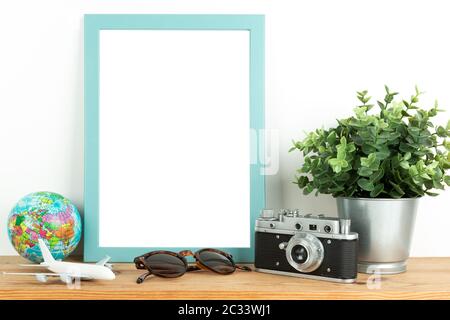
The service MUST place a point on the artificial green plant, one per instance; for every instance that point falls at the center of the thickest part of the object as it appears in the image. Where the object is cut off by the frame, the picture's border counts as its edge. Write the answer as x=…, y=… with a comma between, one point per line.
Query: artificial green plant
x=391, y=151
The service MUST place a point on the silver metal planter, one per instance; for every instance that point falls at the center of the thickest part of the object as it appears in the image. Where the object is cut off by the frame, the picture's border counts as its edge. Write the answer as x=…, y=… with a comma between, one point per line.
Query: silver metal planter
x=385, y=228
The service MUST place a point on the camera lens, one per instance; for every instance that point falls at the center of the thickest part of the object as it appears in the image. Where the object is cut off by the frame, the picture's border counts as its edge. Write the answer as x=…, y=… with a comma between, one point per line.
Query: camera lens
x=299, y=254
x=304, y=252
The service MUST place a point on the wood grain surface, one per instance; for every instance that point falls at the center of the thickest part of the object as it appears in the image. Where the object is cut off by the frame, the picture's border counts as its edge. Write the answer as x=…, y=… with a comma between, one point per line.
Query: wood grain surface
x=426, y=278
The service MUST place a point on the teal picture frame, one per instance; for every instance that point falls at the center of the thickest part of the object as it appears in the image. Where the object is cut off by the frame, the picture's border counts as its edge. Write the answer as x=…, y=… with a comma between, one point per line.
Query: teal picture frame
x=93, y=24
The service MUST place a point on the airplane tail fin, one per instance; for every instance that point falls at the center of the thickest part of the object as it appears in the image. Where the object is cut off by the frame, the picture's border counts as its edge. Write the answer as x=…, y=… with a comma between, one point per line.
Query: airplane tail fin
x=48, y=258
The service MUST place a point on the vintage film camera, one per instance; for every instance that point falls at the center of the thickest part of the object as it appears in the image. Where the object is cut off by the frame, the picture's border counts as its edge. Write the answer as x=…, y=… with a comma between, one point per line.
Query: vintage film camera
x=314, y=247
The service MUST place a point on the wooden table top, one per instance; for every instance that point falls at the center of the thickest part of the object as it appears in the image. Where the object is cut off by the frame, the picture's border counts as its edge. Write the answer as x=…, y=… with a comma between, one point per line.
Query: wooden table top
x=426, y=278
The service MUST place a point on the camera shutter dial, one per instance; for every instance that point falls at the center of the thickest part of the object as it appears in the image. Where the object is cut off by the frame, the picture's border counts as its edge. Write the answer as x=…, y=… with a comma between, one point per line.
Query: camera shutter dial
x=304, y=252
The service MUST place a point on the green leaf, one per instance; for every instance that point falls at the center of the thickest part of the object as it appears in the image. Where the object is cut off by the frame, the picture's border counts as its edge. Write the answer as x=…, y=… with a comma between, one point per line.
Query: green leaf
x=432, y=166
x=351, y=147
x=441, y=132
x=447, y=180
x=407, y=156
x=342, y=177
x=336, y=189
x=447, y=145
x=377, y=190
x=360, y=112
x=428, y=184
x=381, y=105
x=432, y=194
x=432, y=113
x=371, y=161
x=302, y=181
x=367, y=161
x=437, y=185
x=413, y=171
x=394, y=194
x=309, y=188
x=425, y=176
x=383, y=152
x=397, y=176
x=341, y=153
x=365, y=184
x=404, y=165
x=414, y=131
x=331, y=138
x=365, y=172
x=413, y=187
x=406, y=104
x=377, y=176
x=397, y=188
x=404, y=147
x=405, y=114
x=337, y=164
x=342, y=149
x=368, y=149
x=306, y=151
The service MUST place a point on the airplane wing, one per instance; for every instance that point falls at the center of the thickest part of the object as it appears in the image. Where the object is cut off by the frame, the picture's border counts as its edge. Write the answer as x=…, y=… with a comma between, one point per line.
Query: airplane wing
x=33, y=265
x=31, y=274
x=42, y=277
x=104, y=262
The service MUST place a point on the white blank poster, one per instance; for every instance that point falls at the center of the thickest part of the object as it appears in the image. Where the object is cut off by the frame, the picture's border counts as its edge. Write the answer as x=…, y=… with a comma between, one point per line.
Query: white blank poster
x=174, y=138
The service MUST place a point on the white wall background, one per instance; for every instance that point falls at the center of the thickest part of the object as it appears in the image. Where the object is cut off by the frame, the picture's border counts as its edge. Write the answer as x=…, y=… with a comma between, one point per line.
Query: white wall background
x=318, y=53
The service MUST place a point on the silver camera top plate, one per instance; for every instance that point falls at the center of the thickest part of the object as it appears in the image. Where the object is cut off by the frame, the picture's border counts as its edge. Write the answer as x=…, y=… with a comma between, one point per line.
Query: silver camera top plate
x=291, y=221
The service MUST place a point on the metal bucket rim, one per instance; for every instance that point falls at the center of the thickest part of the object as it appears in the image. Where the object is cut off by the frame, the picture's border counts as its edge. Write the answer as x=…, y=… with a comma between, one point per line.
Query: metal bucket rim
x=379, y=199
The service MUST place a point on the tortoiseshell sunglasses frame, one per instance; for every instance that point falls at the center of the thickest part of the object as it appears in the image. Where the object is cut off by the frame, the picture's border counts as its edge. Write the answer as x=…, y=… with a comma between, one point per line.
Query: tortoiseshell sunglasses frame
x=141, y=264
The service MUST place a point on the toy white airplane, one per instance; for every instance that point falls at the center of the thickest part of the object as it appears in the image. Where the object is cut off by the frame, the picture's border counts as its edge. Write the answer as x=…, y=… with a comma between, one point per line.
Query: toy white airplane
x=69, y=271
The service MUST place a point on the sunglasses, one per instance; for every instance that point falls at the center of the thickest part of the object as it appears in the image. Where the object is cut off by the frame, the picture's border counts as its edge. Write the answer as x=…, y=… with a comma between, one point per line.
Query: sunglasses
x=168, y=264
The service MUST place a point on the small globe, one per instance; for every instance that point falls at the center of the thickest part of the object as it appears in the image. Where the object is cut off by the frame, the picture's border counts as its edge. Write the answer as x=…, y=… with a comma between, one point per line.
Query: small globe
x=48, y=216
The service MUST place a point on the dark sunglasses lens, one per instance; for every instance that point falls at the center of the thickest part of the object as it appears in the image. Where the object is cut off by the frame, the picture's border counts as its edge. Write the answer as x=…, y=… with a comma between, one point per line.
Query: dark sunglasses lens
x=166, y=265
x=216, y=262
